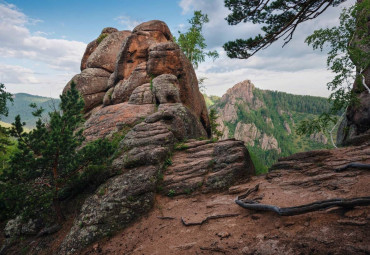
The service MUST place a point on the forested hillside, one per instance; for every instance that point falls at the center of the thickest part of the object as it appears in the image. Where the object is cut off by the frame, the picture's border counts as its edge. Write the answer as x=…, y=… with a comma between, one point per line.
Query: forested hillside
x=21, y=106
x=266, y=120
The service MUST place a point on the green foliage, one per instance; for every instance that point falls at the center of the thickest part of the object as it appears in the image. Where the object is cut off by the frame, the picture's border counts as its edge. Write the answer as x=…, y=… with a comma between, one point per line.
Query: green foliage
x=171, y=193
x=4, y=97
x=212, y=119
x=192, y=42
x=278, y=19
x=347, y=58
x=211, y=100
x=181, y=146
x=101, y=38
x=49, y=159
x=167, y=162
x=5, y=143
x=260, y=160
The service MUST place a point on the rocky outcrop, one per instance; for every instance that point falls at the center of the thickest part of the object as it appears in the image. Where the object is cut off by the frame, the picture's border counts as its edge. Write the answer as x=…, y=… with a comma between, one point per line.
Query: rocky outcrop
x=287, y=127
x=17, y=227
x=143, y=153
x=269, y=143
x=248, y=133
x=241, y=93
x=152, y=98
x=207, y=166
x=113, y=118
x=319, y=137
x=355, y=127
x=242, y=90
x=118, y=66
x=92, y=84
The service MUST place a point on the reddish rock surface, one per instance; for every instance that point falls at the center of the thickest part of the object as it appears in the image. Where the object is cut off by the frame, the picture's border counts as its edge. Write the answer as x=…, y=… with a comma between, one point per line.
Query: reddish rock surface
x=207, y=166
x=104, y=56
x=132, y=59
x=299, y=179
x=93, y=45
x=111, y=119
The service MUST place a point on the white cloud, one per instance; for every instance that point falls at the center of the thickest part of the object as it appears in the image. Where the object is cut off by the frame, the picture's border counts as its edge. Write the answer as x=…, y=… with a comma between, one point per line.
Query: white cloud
x=296, y=68
x=16, y=74
x=21, y=79
x=18, y=42
x=127, y=22
x=301, y=82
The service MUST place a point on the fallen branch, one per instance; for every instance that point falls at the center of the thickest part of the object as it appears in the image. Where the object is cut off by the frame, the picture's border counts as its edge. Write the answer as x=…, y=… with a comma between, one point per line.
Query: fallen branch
x=353, y=165
x=207, y=219
x=289, y=211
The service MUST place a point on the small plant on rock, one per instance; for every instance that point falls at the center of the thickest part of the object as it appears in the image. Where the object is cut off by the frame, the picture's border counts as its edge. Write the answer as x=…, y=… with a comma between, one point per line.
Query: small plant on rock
x=171, y=193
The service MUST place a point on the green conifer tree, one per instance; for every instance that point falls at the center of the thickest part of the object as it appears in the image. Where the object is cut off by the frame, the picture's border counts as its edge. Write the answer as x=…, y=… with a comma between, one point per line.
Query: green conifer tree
x=49, y=158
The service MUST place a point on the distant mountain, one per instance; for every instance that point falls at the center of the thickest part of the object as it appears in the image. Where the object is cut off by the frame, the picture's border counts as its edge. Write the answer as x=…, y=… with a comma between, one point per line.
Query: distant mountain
x=266, y=120
x=21, y=106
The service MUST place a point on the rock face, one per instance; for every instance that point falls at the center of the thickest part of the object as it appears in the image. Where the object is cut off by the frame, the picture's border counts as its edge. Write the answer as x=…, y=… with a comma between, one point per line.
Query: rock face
x=355, y=128
x=319, y=137
x=269, y=143
x=206, y=166
x=248, y=133
x=150, y=91
x=118, y=66
x=229, y=229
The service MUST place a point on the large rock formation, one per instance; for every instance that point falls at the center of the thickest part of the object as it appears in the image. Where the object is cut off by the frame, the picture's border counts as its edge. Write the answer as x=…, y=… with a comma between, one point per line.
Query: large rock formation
x=123, y=67
x=141, y=83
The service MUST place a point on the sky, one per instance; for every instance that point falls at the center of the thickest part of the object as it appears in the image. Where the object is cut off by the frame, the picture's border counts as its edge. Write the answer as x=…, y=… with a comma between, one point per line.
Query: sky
x=42, y=43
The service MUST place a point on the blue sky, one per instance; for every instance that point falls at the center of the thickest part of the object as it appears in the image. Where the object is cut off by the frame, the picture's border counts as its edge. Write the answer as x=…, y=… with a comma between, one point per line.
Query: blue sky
x=42, y=42
x=82, y=20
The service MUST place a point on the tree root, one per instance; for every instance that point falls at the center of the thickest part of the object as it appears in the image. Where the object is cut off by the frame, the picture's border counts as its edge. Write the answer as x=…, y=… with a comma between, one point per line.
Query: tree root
x=353, y=165
x=207, y=219
x=289, y=211
x=165, y=218
x=213, y=249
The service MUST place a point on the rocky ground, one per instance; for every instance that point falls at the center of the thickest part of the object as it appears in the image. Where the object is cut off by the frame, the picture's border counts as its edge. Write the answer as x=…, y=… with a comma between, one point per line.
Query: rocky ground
x=211, y=222
x=222, y=227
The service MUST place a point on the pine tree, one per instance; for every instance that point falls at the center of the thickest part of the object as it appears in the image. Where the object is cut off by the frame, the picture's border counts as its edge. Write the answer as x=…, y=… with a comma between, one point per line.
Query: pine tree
x=214, y=125
x=5, y=142
x=50, y=157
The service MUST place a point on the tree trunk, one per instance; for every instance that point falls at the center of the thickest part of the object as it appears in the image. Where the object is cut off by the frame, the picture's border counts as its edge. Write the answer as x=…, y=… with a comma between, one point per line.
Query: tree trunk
x=56, y=202
x=58, y=210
